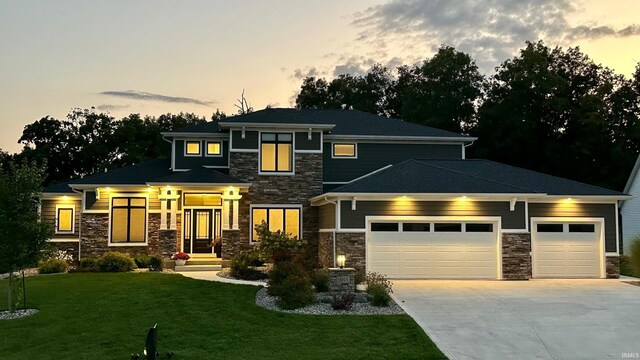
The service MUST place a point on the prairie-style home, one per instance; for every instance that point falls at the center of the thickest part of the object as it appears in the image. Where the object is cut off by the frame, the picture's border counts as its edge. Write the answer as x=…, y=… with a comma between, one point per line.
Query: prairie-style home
x=394, y=197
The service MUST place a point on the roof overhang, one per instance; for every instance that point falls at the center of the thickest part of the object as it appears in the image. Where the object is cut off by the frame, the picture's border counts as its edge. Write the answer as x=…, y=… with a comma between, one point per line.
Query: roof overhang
x=539, y=197
x=196, y=134
x=251, y=126
x=201, y=185
x=401, y=138
x=58, y=194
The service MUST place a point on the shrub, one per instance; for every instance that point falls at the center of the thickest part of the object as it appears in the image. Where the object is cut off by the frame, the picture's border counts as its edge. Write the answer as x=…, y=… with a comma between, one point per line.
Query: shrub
x=279, y=274
x=379, y=288
x=379, y=295
x=156, y=263
x=241, y=267
x=625, y=265
x=344, y=302
x=320, y=280
x=275, y=246
x=88, y=265
x=634, y=256
x=142, y=261
x=295, y=292
x=115, y=262
x=360, y=277
x=254, y=259
x=52, y=266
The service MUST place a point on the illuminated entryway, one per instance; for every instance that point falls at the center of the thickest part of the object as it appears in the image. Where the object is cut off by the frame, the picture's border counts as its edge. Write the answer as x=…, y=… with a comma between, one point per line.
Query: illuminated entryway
x=432, y=248
x=567, y=247
x=202, y=225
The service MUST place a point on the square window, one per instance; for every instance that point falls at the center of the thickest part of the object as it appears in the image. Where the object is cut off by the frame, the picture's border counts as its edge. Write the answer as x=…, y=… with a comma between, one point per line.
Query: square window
x=344, y=150
x=192, y=148
x=214, y=148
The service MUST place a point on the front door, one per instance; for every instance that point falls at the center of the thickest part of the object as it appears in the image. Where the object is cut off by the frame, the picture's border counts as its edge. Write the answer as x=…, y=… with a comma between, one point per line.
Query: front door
x=201, y=227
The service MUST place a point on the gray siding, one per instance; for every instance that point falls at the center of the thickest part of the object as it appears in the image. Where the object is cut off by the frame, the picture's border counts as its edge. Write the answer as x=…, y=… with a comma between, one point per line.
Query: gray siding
x=190, y=162
x=303, y=142
x=355, y=219
x=606, y=211
x=327, y=214
x=373, y=156
x=250, y=140
x=48, y=215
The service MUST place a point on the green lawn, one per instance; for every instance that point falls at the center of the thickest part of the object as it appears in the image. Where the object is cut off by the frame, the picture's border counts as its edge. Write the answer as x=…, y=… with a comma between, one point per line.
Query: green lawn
x=106, y=316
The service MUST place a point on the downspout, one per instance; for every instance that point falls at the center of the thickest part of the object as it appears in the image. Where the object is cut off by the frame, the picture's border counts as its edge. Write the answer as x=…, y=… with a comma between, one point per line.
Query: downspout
x=333, y=233
x=464, y=149
x=79, y=222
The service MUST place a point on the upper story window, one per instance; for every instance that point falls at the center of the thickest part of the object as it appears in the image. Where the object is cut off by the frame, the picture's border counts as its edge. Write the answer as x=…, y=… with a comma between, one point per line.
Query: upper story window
x=65, y=215
x=192, y=148
x=214, y=148
x=346, y=151
x=276, y=152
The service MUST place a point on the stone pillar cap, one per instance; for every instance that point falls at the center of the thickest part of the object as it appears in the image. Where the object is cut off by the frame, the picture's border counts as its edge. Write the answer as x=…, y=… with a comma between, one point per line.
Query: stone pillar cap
x=341, y=269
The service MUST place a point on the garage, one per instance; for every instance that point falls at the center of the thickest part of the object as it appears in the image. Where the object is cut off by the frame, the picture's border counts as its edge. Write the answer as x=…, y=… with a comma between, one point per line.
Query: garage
x=439, y=248
x=568, y=248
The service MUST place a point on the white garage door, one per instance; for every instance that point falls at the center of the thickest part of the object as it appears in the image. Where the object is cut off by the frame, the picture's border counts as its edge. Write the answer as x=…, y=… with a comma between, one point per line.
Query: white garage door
x=566, y=249
x=433, y=249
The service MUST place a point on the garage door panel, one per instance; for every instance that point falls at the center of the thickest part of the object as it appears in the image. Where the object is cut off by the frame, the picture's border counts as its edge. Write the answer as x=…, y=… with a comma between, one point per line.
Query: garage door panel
x=566, y=254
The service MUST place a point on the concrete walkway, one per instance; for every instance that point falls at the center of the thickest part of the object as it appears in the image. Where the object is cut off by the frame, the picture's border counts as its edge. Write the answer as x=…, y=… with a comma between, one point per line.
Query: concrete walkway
x=211, y=276
x=537, y=319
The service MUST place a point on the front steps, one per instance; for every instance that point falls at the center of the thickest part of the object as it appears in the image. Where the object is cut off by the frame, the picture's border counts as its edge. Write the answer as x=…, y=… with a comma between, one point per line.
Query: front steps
x=201, y=264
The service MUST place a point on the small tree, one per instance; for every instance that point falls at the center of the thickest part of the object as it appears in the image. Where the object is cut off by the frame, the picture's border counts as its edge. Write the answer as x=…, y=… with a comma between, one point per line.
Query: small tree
x=275, y=246
x=22, y=235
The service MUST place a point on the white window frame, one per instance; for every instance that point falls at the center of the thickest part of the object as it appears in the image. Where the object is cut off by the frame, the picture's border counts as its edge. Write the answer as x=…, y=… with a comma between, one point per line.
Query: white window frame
x=146, y=227
x=293, y=154
x=355, y=150
x=73, y=218
x=206, y=148
x=186, y=142
x=273, y=206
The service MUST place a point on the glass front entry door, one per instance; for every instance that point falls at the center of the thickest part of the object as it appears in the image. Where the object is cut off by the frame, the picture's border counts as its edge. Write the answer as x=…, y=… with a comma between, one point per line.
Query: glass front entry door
x=201, y=227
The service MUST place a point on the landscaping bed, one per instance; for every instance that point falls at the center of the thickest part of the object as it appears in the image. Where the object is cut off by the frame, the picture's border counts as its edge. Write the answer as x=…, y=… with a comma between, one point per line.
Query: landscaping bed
x=323, y=306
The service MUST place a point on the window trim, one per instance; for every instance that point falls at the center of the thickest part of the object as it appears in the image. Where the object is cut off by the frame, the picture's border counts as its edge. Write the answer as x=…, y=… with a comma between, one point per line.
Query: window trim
x=276, y=207
x=333, y=150
x=276, y=142
x=71, y=207
x=206, y=150
x=146, y=220
x=186, y=143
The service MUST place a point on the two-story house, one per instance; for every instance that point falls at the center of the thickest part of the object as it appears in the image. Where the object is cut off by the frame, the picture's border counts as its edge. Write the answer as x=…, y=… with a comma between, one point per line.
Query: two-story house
x=394, y=197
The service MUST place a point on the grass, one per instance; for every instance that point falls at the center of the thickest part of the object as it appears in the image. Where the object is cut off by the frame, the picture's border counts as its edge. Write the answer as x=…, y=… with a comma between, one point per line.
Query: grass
x=106, y=316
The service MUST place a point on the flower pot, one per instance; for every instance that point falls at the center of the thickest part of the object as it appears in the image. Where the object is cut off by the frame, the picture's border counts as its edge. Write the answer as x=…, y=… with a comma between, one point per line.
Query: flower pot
x=181, y=262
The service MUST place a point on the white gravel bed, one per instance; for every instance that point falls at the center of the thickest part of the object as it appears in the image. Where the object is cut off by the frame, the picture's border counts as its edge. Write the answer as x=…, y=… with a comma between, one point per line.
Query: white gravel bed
x=9, y=315
x=27, y=272
x=266, y=301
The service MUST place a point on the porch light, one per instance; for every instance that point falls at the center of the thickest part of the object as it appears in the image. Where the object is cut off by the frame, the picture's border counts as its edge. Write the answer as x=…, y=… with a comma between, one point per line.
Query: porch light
x=342, y=259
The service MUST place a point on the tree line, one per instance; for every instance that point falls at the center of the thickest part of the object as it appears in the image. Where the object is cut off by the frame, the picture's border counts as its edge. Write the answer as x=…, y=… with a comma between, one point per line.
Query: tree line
x=552, y=110
x=546, y=109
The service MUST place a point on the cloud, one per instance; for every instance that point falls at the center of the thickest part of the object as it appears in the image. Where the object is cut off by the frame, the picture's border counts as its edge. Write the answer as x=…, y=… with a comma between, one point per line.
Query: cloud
x=111, y=107
x=145, y=96
x=299, y=74
x=490, y=30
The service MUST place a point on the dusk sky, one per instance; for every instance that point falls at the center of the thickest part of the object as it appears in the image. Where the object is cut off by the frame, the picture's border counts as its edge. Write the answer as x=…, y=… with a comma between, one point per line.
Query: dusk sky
x=152, y=57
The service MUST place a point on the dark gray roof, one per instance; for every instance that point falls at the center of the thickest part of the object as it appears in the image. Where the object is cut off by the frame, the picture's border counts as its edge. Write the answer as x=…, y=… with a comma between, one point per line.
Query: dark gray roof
x=59, y=188
x=198, y=176
x=152, y=171
x=467, y=177
x=347, y=122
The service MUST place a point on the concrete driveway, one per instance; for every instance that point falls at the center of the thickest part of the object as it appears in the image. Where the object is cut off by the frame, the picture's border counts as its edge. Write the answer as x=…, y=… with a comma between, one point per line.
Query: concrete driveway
x=537, y=319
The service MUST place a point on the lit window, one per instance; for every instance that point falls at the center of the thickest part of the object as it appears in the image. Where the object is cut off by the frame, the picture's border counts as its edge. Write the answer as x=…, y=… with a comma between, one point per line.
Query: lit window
x=128, y=220
x=192, y=148
x=276, y=152
x=65, y=215
x=344, y=150
x=283, y=219
x=214, y=148
x=202, y=199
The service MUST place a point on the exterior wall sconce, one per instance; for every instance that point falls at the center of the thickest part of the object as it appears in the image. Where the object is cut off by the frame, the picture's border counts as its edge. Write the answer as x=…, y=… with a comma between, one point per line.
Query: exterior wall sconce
x=342, y=259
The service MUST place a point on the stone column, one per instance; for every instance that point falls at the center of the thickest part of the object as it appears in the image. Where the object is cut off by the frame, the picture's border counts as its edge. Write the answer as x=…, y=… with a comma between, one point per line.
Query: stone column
x=516, y=256
x=342, y=280
x=613, y=267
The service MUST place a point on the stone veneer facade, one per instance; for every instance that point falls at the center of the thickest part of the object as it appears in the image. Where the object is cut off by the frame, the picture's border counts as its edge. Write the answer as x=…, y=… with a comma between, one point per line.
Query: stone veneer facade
x=516, y=256
x=71, y=247
x=325, y=249
x=95, y=238
x=613, y=267
x=294, y=189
